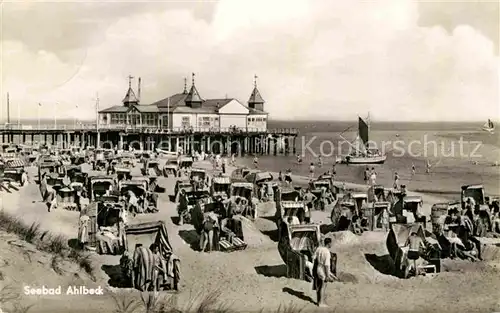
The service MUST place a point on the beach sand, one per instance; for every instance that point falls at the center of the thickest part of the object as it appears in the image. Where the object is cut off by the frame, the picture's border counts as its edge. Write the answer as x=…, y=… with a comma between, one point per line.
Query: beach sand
x=254, y=279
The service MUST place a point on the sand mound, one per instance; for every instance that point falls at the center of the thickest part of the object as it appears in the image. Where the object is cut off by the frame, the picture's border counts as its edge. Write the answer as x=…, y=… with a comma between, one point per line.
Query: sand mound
x=490, y=252
x=252, y=236
x=343, y=238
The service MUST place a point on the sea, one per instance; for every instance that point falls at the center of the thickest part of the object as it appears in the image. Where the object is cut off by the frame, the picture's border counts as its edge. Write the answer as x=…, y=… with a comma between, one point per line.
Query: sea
x=459, y=153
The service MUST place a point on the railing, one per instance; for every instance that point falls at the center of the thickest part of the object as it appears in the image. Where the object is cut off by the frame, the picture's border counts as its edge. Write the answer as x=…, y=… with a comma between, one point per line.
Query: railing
x=147, y=129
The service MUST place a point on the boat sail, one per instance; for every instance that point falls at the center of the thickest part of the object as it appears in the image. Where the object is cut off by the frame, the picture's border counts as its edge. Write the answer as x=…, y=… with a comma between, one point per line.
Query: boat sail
x=489, y=126
x=363, y=154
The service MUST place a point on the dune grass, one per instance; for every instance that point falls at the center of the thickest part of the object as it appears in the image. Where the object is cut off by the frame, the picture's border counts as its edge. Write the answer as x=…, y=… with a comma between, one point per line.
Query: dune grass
x=9, y=296
x=46, y=242
x=202, y=302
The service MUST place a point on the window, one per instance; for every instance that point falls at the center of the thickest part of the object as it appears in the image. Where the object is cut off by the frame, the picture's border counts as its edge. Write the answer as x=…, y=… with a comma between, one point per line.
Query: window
x=186, y=121
x=118, y=118
x=164, y=121
x=205, y=122
x=149, y=119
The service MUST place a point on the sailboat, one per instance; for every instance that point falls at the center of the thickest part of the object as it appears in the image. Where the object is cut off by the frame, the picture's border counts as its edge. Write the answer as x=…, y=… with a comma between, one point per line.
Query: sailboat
x=363, y=154
x=489, y=126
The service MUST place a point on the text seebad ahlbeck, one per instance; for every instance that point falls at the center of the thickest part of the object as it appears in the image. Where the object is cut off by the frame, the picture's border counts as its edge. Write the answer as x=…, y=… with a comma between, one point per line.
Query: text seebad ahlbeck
x=71, y=290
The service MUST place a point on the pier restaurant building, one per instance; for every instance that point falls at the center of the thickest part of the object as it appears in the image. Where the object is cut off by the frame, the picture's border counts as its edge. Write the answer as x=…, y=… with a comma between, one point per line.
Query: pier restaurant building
x=187, y=111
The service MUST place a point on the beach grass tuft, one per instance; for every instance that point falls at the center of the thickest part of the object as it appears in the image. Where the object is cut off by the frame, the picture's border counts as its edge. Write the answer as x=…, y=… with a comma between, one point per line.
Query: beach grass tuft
x=202, y=302
x=125, y=303
x=9, y=295
x=46, y=242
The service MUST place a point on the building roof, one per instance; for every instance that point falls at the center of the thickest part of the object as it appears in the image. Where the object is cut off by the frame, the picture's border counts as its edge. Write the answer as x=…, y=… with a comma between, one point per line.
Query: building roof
x=193, y=96
x=130, y=97
x=255, y=97
x=207, y=106
x=175, y=100
x=253, y=111
x=180, y=103
x=151, y=108
x=115, y=109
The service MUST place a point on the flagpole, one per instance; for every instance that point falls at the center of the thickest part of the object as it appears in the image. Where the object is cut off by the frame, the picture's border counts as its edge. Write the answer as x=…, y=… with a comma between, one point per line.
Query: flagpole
x=76, y=116
x=18, y=116
x=38, y=115
x=168, y=125
x=55, y=115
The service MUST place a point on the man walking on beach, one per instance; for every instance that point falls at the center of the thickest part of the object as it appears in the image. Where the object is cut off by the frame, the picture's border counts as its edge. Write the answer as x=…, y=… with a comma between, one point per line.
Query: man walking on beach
x=322, y=271
x=413, y=170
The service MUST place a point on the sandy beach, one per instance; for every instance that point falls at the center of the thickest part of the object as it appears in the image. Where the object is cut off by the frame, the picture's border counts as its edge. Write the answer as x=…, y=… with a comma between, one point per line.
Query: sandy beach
x=254, y=279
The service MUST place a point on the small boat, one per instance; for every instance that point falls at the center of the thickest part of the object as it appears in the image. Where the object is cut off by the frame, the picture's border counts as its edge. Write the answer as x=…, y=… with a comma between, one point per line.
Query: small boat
x=489, y=126
x=363, y=154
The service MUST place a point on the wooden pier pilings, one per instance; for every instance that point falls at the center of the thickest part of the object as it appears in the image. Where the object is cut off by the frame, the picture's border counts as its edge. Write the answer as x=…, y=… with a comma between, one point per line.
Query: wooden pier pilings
x=223, y=141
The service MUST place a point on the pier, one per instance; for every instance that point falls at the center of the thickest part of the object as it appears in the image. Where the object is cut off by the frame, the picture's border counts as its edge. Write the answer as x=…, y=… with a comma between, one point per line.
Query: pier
x=240, y=141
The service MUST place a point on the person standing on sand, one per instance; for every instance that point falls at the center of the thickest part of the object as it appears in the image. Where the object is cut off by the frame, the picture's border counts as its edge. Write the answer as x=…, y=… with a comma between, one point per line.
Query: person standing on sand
x=322, y=271
x=413, y=170
x=428, y=167
x=396, y=181
x=288, y=176
x=24, y=178
x=373, y=177
x=309, y=199
x=415, y=247
x=224, y=164
x=256, y=162
x=367, y=176
x=233, y=160
x=311, y=170
x=320, y=161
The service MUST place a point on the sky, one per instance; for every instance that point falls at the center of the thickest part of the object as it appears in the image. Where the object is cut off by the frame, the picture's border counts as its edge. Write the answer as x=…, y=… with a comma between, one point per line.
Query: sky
x=399, y=60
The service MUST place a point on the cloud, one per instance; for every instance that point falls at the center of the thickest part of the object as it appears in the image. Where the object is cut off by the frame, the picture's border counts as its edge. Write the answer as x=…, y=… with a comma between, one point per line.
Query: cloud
x=315, y=59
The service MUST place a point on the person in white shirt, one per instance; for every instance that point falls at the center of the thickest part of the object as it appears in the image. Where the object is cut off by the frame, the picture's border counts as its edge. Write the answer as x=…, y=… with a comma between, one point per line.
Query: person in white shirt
x=322, y=271
x=24, y=178
x=373, y=177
